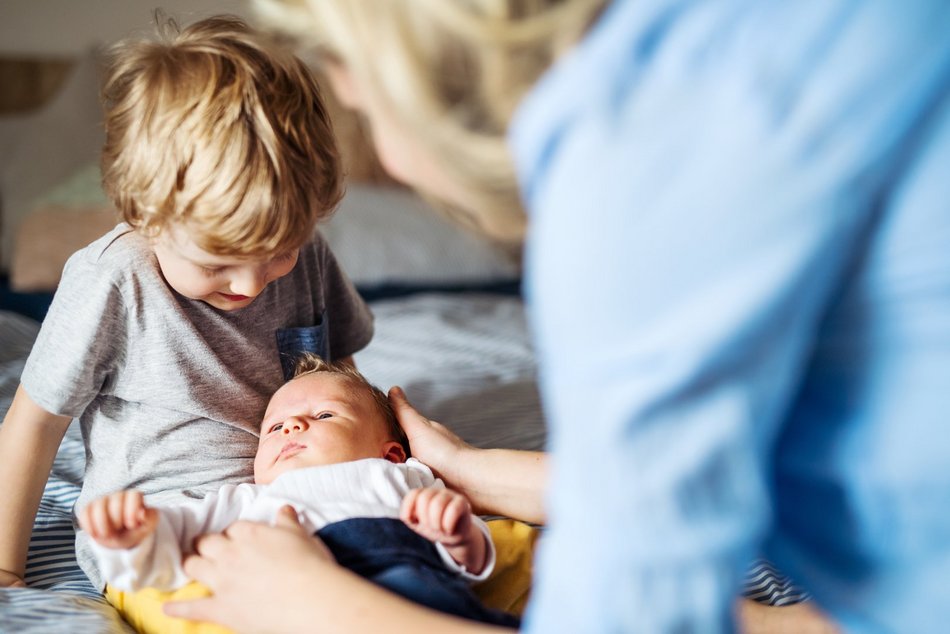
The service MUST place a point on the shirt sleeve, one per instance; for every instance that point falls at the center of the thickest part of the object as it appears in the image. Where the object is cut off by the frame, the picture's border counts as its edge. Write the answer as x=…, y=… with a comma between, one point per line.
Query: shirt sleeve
x=687, y=237
x=81, y=342
x=157, y=561
x=458, y=568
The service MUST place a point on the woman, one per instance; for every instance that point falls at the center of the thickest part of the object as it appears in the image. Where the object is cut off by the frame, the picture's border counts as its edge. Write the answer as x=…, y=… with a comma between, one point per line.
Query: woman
x=737, y=283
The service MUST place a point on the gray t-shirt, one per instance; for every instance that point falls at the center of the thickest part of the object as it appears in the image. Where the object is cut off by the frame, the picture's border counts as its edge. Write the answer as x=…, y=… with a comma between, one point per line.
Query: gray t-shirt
x=169, y=390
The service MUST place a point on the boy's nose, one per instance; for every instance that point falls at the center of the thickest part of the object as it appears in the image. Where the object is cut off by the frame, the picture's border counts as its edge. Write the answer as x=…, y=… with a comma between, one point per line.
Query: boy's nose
x=249, y=281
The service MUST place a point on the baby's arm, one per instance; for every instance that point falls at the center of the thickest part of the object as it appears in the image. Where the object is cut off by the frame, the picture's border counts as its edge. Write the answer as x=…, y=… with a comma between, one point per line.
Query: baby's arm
x=141, y=547
x=445, y=516
x=29, y=438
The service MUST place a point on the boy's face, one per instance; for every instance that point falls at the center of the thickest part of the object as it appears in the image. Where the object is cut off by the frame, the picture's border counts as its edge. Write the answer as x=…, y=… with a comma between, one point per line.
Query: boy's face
x=227, y=283
x=320, y=419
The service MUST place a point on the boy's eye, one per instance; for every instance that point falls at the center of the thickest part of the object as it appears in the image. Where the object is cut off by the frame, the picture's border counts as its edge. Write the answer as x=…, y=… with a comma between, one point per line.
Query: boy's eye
x=210, y=271
x=283, y=257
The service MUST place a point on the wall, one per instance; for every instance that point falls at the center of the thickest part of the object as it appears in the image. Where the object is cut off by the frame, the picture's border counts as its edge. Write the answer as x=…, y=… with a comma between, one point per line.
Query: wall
x=64, y=28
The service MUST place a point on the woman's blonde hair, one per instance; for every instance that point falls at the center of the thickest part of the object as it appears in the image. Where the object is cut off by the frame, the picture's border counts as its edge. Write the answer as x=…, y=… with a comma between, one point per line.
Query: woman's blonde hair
x=215, y=127
x=450, y=71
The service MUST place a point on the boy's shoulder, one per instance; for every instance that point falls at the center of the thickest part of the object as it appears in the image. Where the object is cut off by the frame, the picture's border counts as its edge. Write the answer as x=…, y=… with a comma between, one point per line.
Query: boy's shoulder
x=118, y=253
x=119, y=244
x=108, y=267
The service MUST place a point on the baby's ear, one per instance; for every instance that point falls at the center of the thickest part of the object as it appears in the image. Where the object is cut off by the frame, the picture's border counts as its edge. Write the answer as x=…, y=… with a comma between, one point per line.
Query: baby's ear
x=393, y=452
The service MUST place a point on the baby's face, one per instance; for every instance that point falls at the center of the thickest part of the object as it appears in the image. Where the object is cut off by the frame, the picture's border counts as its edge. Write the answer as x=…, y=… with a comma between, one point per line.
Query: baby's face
x=318, y=419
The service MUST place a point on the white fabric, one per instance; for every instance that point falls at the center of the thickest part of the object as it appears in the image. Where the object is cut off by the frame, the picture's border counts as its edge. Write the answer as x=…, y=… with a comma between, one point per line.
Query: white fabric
x=321, y=495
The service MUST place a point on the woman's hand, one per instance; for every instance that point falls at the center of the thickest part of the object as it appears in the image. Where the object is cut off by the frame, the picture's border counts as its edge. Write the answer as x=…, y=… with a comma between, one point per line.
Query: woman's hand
x=496, y=481
x=281, y=579
x=430, y=442
x=252, y=565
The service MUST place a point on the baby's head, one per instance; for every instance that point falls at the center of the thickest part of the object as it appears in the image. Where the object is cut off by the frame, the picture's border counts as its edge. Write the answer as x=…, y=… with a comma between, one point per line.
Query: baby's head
x=327, y=414
x=220, y=151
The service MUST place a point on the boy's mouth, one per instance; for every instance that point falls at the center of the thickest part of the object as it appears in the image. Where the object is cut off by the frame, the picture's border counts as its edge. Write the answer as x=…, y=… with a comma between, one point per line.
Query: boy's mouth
x=234, y=298
x=290, y=449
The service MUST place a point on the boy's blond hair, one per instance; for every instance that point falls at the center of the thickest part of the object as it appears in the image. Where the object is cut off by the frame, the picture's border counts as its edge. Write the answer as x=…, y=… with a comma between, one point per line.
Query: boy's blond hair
x=309, y=363
x=214, y=127
x=451, y=72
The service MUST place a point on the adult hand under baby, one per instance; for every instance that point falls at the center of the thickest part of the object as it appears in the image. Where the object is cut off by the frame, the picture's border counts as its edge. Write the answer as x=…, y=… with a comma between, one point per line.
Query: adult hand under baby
x=250, y=565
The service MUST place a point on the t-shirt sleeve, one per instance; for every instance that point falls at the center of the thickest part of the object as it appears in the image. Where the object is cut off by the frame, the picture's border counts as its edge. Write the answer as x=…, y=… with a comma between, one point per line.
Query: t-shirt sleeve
x=349, y=319
x=81, y=341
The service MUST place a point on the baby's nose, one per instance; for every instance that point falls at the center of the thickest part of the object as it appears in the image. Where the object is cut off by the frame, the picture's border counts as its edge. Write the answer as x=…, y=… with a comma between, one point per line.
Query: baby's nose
x=295, y=425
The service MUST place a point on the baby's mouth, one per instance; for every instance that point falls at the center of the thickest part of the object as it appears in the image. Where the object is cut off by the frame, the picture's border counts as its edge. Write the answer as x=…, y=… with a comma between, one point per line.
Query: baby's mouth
x=290, y=449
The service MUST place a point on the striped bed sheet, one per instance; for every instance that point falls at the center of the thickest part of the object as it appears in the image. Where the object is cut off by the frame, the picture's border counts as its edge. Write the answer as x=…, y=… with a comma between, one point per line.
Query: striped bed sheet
x=463, y=359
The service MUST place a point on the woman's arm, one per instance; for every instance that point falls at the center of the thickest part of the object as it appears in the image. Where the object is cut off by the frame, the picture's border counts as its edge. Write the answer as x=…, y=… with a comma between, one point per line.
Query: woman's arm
x=496, y=481
x=282, y=567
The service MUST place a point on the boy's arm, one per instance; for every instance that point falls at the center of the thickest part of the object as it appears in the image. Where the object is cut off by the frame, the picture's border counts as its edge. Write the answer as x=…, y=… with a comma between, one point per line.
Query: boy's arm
x=29, y=439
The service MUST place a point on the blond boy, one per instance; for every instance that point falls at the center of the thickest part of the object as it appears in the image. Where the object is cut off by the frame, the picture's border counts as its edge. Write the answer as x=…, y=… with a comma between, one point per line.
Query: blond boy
x=331, y=448
x=167, y=336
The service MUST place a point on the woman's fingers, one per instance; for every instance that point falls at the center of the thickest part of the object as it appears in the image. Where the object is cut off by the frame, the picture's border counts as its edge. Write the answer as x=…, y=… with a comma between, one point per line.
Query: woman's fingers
x=410, y=420
x=287, y=518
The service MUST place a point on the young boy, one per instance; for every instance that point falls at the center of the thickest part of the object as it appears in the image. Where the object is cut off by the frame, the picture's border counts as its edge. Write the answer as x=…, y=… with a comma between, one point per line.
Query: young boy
x=167, y=336
x=330, y=446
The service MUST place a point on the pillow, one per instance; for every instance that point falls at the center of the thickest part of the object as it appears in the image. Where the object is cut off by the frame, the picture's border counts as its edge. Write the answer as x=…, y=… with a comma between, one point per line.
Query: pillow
x=386, y=235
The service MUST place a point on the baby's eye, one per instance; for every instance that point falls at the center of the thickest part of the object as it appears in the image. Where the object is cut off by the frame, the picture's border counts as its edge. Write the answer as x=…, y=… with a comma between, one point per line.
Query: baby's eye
x=277, y=427
x=323, y=415
x=210, y=271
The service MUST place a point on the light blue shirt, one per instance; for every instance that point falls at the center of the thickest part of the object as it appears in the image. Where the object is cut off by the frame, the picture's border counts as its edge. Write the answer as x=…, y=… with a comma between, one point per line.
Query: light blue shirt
x=738, y=274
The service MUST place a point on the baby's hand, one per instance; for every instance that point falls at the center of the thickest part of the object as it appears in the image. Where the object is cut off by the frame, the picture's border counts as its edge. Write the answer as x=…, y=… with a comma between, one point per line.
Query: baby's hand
x=438, y=514
x=120, y=520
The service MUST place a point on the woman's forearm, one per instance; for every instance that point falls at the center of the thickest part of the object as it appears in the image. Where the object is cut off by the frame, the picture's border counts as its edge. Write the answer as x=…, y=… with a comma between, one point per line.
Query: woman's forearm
x=504, y=482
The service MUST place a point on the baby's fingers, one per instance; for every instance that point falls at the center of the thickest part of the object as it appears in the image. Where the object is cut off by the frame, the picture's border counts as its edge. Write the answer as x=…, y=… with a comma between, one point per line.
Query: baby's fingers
x=455, y=511
x=407, y=513
x=438, y=502
x=133, y=509
x=100, y=524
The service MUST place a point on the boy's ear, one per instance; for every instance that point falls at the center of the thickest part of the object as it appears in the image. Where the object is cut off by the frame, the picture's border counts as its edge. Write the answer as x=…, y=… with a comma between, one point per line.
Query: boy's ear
x=393, y=452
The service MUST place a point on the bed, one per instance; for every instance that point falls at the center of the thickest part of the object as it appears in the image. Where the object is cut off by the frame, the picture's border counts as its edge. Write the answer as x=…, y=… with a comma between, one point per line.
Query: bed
x=450, y=329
